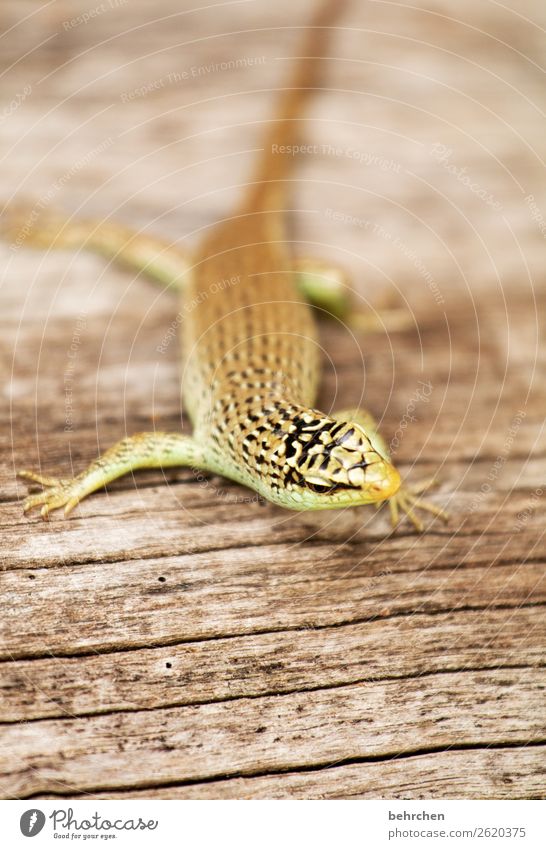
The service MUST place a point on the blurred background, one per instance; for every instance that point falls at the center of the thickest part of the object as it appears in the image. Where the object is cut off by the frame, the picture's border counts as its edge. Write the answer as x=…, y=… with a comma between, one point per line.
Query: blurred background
x=433, y=117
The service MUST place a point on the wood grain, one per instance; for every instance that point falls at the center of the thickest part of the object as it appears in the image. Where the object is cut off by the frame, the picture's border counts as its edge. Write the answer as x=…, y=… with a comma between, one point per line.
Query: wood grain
x=176, y=638
x=483, y=773
x=273, y=733
x=261, y=664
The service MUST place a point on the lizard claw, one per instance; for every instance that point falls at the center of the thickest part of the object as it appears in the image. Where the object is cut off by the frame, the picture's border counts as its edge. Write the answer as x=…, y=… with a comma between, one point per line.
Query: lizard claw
x=57, y=492
x=407, y=501
x=43, y=480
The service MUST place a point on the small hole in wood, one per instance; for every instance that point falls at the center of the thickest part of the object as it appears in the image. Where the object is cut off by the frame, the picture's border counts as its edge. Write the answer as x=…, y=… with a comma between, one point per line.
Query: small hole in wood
x=161, y=579
x=168, y=665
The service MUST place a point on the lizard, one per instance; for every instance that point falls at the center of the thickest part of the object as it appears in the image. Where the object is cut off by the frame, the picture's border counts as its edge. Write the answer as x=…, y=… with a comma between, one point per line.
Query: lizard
x=249, y=350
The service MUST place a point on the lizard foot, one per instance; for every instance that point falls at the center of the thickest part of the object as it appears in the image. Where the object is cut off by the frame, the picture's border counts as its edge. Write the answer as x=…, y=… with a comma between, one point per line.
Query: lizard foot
x=57, y=492
x=154, y=450
x=407, y=501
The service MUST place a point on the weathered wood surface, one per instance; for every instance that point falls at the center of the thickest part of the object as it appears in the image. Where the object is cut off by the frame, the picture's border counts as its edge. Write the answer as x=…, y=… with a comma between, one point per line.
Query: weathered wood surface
x=176, y=638
x=485, y=773
x=217, y=739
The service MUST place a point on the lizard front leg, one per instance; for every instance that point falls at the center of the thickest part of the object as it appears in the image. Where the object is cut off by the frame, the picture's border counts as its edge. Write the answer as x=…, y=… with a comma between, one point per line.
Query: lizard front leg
x=328, y=288
x=407, y=500
x=141, y=451
x=159, y=260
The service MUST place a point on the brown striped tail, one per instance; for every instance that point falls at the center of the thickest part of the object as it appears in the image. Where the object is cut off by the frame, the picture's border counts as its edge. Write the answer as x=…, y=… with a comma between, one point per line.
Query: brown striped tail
x=274, y=166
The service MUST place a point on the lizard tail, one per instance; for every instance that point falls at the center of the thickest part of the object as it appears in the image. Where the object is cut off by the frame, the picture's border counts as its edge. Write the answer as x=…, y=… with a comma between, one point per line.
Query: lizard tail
x=274, y=165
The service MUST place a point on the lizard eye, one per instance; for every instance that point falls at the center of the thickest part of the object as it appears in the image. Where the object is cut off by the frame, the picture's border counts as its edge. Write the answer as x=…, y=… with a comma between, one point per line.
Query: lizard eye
x=324, y=488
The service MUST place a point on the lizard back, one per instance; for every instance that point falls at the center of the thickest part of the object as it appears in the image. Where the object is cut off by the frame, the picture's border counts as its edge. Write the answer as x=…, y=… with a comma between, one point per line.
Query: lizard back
x=247, y=333
x=247, y=329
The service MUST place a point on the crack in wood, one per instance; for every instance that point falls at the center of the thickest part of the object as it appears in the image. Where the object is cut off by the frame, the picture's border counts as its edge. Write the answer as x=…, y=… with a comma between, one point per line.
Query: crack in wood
x=298, y=768
x=275, y=692
x=261, y=632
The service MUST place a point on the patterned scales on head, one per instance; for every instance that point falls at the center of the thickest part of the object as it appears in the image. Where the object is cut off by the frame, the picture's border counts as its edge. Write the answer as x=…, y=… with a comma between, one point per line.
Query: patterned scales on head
x=251, y=369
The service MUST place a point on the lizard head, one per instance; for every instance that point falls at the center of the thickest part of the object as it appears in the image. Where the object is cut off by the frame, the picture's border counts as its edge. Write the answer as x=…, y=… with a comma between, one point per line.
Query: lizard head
x=323, y=464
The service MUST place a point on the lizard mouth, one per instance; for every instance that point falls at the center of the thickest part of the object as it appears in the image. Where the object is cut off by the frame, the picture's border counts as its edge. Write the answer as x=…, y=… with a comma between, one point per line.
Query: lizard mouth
x=386, y=483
